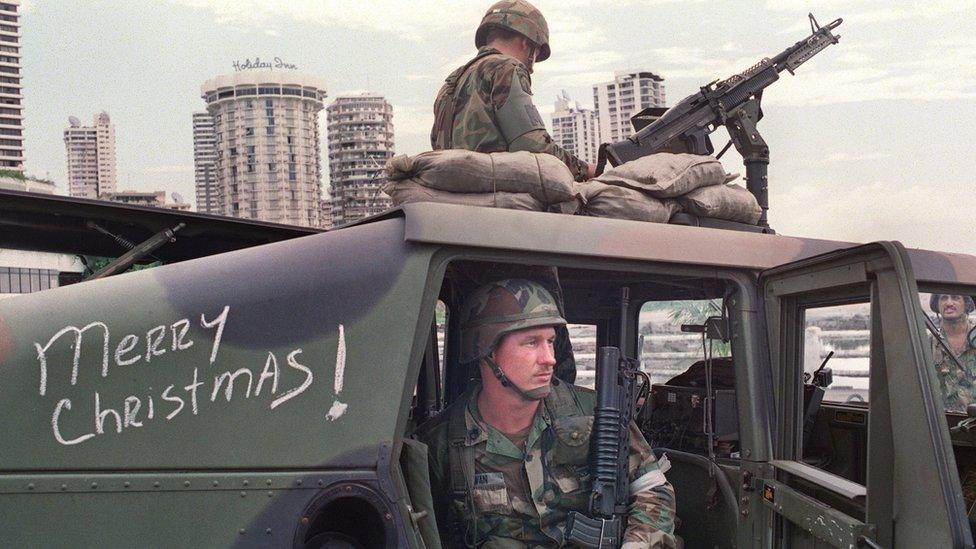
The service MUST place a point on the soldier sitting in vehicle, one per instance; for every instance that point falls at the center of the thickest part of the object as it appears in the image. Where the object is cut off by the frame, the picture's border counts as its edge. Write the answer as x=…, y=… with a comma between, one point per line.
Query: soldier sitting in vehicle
x=508, y=459
x=957, y=331
x=486, y=105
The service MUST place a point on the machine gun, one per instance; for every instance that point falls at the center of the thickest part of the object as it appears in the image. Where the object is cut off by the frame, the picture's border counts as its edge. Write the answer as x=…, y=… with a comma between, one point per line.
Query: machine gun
x=734, y=103
x=610, y=450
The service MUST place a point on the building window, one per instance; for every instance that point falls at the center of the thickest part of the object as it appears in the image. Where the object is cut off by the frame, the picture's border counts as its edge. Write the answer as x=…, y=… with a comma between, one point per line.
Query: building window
x=16, y=280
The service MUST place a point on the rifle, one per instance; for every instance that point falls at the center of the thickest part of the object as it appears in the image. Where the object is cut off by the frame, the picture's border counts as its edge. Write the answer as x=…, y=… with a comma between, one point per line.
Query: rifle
x=609, y=452
x=733, y=103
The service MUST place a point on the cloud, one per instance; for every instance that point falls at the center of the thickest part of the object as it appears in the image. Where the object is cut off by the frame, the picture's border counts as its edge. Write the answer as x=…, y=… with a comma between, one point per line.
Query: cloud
x=854, y=157
x=875, y=211
x=867, y=12
x=577, y=80
x=412, y=20
x=171, y=168
x=413, y=120
x=942, y=68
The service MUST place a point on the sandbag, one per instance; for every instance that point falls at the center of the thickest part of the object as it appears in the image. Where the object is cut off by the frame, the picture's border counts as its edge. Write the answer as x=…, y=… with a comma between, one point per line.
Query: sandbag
x=407, y=191
x=542, y=175
x=601, y=200
x=730, y=202
x=667, y=175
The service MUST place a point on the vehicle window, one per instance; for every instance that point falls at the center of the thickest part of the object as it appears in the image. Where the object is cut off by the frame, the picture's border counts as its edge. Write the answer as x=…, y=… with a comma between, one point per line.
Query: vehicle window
x=834, y=349
x=680, y=414
x=838, y=338
x=583, y=338
x=440, y=318
x=668, y=350
x=951, y=329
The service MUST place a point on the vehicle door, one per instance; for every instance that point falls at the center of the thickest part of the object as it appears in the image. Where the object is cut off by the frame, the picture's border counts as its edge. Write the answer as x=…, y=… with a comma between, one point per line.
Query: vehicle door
x=910, y=494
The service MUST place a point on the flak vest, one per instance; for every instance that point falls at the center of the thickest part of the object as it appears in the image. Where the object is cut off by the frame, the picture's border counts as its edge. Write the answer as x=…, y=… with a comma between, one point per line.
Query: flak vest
x=561, y=402
x=444, y=117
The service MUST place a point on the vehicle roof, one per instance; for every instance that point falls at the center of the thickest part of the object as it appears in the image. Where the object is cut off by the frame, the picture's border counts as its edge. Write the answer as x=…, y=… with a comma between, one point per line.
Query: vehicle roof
x=53, y=223
x=449, y=224
x=50, y=223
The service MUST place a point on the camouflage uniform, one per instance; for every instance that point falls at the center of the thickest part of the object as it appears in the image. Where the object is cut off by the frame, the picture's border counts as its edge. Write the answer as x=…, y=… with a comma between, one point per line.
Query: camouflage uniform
x=958, y=386
x=478, y=91
x=521, y=497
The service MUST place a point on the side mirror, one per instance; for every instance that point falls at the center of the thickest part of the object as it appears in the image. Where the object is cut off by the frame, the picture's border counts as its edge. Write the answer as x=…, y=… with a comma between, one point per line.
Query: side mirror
x=971, y=410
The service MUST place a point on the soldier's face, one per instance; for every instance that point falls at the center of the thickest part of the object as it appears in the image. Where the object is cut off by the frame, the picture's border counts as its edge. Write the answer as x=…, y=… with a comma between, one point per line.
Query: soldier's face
x=528, y=357
x=952, y=307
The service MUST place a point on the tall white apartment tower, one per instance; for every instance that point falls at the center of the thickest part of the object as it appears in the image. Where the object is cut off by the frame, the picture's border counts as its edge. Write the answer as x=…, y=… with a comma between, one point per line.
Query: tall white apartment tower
x=627, y=94
x=575, y=129
x=91, y=156
x=266, y=126
x=360, y=144
x=205, y=162
x=11, y=115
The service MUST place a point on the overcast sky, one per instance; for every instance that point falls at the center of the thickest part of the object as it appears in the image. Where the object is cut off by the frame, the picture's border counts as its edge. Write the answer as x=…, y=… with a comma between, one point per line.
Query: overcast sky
x=872, y=139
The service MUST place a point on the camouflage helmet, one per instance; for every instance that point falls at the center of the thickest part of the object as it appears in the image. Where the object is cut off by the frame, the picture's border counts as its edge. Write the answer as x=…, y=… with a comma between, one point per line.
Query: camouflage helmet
x=519, y=16
x=502, y=307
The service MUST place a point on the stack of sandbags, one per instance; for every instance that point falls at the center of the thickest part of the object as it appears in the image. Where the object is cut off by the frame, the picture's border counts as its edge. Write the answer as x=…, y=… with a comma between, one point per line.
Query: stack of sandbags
x=667, y=175
x=601, y=200
x=645, y=189
x=519, y=180
x=730, y=202
x=654, y=187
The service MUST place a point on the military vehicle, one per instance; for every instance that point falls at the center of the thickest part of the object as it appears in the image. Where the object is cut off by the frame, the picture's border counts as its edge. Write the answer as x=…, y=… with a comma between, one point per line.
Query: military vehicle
x=265, y=396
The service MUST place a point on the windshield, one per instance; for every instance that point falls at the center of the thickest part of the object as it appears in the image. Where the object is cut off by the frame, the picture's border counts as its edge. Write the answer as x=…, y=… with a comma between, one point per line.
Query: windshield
x=951, y=327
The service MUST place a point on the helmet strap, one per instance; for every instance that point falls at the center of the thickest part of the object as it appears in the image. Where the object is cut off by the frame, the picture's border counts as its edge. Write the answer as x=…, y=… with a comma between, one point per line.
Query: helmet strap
x=538, y=393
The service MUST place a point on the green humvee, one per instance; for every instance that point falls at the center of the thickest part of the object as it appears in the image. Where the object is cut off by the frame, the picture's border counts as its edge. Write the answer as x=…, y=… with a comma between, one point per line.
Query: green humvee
x=265, y=396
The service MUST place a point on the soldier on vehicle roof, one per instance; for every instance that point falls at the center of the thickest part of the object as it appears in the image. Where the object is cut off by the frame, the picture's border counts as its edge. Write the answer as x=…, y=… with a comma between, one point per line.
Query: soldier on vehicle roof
x=486, y=105
x=508, y=459
x=958, y=330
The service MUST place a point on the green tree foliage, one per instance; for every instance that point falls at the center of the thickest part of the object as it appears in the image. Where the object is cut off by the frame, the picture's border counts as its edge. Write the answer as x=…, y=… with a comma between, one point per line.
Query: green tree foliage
x=93, y=264
x=694, y=312
x=13, y=174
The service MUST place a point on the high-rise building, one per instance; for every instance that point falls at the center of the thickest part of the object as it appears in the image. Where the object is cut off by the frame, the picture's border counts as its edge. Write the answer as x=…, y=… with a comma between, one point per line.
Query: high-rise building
x=627, y=94
x=575, y=129
x=360, y=144
x=156, y=199
x=11, y=114
x=205, y=162
x=325, y=220
x=266, y=126
x=91, y=156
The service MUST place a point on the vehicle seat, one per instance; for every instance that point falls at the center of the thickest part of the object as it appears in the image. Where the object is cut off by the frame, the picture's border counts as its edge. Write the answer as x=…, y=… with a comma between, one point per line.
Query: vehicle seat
x=705, y=500
x=416, y=475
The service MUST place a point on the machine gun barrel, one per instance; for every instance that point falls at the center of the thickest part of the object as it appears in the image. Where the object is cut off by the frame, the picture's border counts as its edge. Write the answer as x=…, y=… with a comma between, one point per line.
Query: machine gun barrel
x=733, y=103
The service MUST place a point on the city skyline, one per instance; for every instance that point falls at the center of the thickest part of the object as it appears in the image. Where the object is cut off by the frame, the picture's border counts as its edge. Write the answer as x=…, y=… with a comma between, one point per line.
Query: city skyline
x=267, y=164
x=360, y=142
x=90, y=156
x=11, y=98
x=876, y=120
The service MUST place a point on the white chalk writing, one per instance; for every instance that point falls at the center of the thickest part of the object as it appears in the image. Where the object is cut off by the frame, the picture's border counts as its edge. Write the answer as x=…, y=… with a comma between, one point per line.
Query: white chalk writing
x=338, y=408
x=137, y=410
x=42, y=352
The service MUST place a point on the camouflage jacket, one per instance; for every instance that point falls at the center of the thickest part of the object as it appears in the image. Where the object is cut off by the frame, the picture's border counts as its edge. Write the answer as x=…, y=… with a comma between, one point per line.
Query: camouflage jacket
x=521, y=498
x=958, y=386
x=479, y=92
